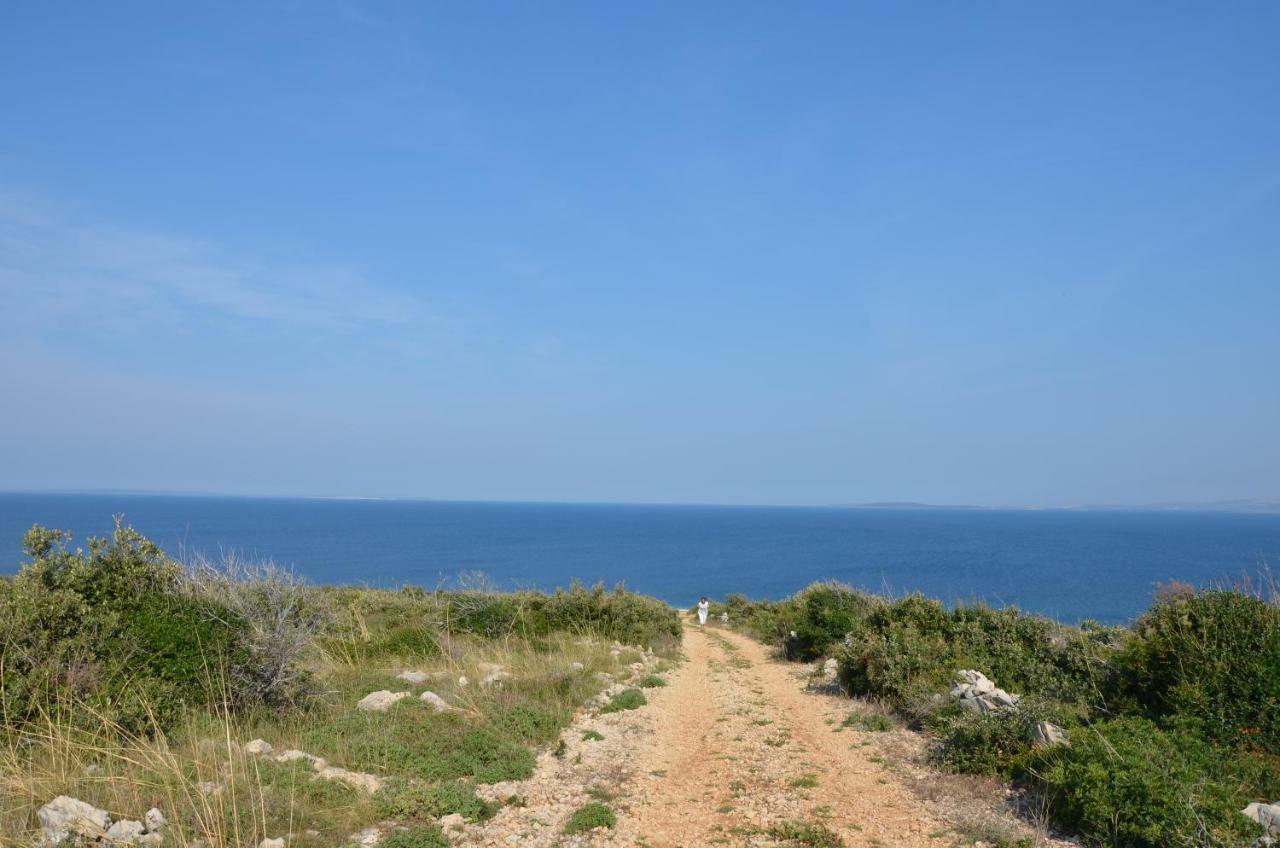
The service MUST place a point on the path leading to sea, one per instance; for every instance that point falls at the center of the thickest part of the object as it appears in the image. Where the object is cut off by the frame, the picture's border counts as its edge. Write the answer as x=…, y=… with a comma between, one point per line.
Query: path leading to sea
x=744, y=753
x=736, y=749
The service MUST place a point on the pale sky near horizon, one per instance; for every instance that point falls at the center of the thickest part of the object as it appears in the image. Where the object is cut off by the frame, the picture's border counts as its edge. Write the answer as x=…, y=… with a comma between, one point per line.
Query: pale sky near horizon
x=998, y=253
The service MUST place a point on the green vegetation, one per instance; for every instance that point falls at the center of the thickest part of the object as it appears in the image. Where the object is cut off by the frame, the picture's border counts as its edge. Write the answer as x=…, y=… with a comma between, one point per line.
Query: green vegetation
x=805, y=834
x=130, y=681
x=592, y=736
x=874, y=723
x=628, y=699
x=652, y=681
x=1174, y=723
x=416, y=837
x=589, y=817
x=407, y=801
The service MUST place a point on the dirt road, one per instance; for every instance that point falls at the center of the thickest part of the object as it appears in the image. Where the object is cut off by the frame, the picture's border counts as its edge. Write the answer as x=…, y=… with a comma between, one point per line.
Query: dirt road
x=743, y=754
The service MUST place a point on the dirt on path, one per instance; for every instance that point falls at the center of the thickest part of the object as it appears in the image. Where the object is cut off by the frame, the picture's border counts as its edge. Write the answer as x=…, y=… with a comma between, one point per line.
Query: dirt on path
x=744, y=754
x=734, y=750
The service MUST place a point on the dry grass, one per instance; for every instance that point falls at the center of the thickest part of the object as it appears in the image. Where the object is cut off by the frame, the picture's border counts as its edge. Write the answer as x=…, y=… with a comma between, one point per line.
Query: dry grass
x=211, y=790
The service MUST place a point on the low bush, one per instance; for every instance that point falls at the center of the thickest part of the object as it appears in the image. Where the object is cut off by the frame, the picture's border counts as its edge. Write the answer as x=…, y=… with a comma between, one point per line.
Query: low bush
x=107, y=629
x=589, y=817
x=1209, y=659
x=628, y=699
x=428, y=836
x=407, y=800
x=1127, y=782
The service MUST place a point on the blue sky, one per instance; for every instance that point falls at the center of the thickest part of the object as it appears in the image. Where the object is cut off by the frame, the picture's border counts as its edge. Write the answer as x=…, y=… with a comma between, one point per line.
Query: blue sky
x=997, y=253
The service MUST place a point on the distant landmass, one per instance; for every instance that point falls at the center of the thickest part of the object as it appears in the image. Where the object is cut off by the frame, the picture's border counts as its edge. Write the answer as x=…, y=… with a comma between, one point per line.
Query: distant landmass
x=1249, y=505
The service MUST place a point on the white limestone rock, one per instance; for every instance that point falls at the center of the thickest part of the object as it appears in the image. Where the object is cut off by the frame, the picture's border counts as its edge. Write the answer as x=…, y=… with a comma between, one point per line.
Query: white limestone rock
x=260, y=747
x=65, y=816
x=126, y=831
x=440, y=704
x=380, y=701
x=414, y=677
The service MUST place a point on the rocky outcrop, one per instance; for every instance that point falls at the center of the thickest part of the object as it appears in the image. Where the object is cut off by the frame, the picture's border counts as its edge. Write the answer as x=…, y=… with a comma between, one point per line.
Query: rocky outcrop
x=975, y=692
x=359, y=780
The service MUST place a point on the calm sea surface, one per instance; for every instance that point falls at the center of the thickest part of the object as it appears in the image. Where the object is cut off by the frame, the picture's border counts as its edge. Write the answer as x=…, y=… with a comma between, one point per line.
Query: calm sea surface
x=1070, y=565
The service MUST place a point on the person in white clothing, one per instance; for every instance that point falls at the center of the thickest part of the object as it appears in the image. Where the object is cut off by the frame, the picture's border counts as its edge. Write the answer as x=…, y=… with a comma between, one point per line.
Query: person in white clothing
x=704, y=606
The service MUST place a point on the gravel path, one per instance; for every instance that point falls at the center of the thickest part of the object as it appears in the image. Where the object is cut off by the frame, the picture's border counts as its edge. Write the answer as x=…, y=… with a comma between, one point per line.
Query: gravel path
x=732, y=752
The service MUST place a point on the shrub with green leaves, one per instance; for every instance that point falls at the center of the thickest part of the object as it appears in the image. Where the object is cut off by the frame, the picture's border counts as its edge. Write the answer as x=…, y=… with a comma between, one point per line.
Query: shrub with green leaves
x=589, y=817
x=628, y=699
x=1127, y=782
x=422, y=836
x=409, y=800
x=1209, y=658
x=108, y=629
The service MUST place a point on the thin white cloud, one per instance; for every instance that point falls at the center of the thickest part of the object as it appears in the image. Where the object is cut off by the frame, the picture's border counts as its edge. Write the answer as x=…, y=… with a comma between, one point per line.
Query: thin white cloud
x=56, y=268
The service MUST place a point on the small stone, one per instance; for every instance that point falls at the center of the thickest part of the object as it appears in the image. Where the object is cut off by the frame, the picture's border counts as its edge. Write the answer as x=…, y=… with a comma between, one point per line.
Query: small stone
x=370, y=783
x=462, y=682
x=154, y=819
x=440, y=704
x=577, y=666
x=414, y=676
x=453, y=821
x=380, y=701
x=258, y=746
x=494, y=677
x=367, y=837
x=1047, y=734
x=125, y=830
x=271, y=843
x=151, y=839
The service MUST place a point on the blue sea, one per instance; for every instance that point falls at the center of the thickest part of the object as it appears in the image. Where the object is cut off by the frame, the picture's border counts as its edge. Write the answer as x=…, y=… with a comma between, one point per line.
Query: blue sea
x=1067, y=564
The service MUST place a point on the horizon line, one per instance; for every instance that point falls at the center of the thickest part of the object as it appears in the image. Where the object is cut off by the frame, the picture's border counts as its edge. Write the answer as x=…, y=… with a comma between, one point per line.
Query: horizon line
x=1242, y=505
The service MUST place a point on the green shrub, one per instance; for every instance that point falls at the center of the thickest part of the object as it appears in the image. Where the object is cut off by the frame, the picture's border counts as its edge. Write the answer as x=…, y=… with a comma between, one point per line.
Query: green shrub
x=874, y=723
x=1209, y=658
x=825, y=614
x=805, y=834
x=653, y=681
x=592, y=736
x=910, y=650
x=405, y=800
x=1126, y=782
x=625, y=616
x=109, y=629
x=589, y=817
x=991, y=743
x=628, y=699
x=422, y=836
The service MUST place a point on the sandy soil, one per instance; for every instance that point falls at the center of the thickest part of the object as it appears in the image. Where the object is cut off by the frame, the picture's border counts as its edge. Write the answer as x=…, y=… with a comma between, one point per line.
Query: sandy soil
x=741, y=748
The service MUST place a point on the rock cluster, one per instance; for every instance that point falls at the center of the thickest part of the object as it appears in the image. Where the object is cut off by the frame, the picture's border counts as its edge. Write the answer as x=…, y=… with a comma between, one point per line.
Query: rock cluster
x=362, y=781
x=66, y=818
x=975, y=692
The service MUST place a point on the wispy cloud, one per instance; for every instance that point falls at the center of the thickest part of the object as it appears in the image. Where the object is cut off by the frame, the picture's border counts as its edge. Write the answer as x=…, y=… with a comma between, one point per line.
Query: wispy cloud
x=58, y=268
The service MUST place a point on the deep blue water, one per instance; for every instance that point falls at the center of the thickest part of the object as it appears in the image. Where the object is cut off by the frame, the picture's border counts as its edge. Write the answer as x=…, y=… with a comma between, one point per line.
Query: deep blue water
x=1066, y=564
